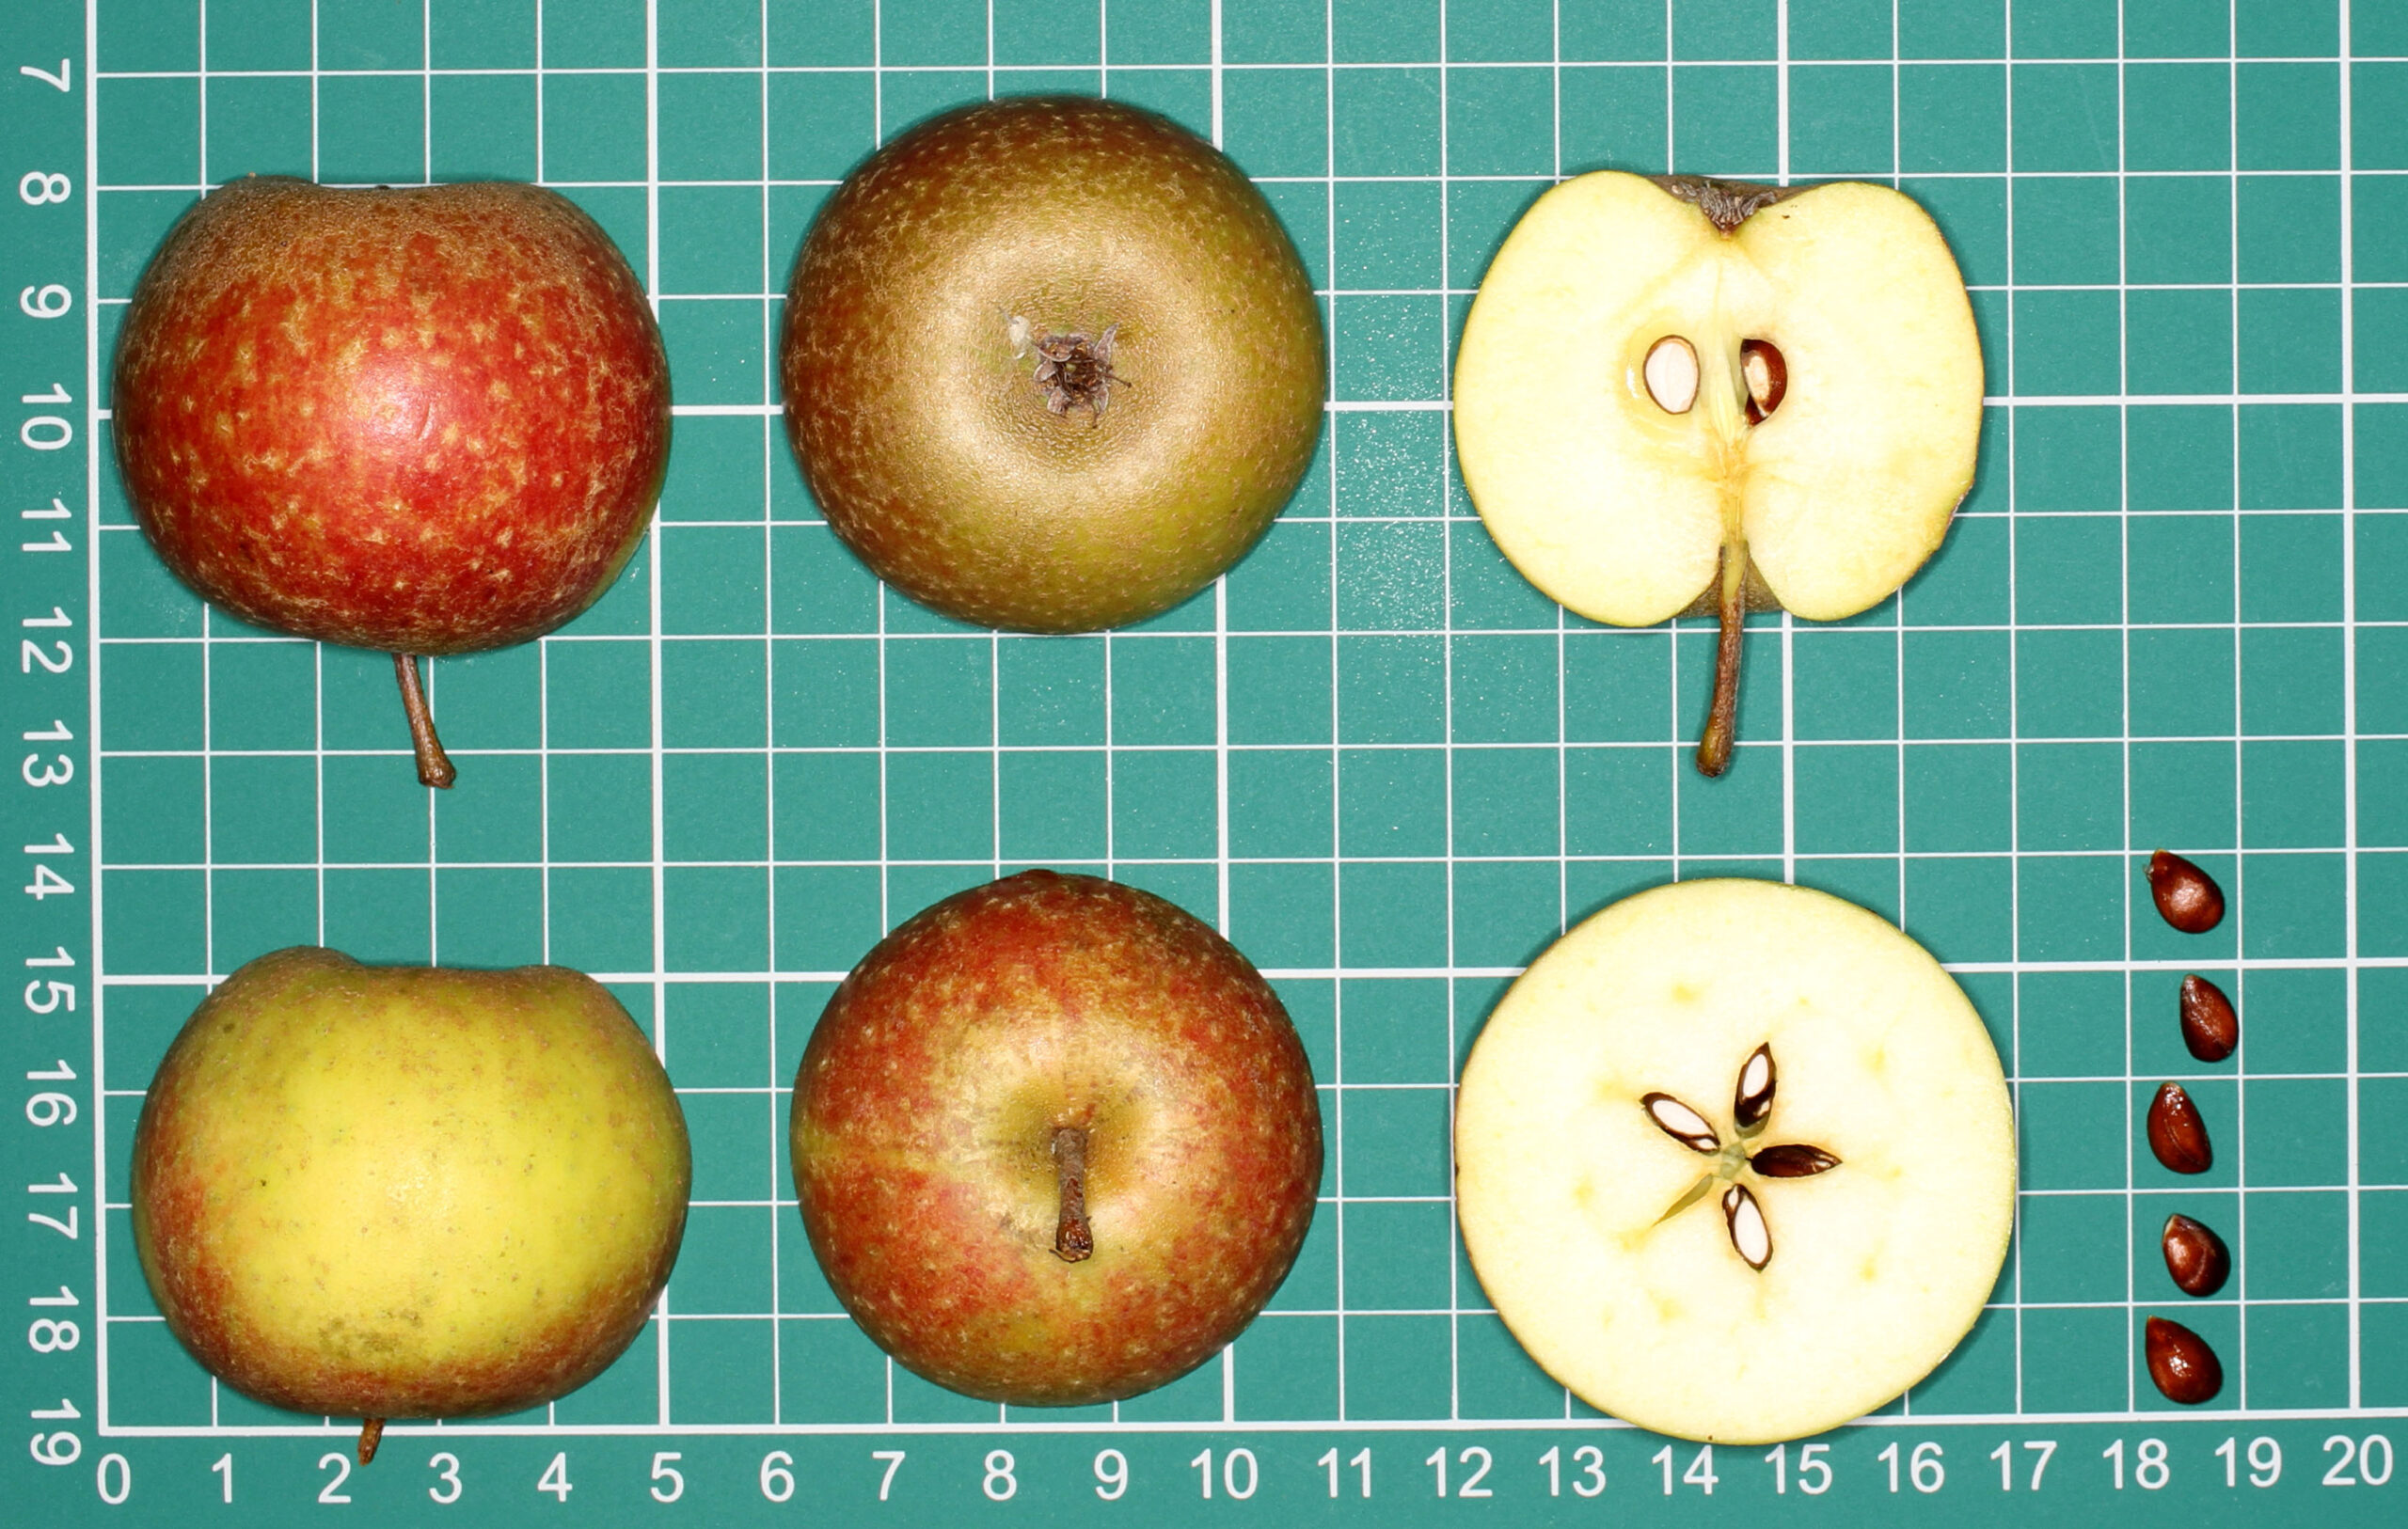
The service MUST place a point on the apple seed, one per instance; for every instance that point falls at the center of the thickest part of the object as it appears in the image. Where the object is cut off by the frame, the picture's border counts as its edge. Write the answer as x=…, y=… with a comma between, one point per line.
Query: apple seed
x=2181, y=1363
x=1073, y=1239
x=1671, y=375
x=1792, y=1160
x=2187, y=897
x=1750, y=1109
x=2195, y=1258
x=1681, y=1123
x=1750, y=1235
x=2210, y=1027
x=1767, y=375
x=1751, y=1101
x=2176, y=1133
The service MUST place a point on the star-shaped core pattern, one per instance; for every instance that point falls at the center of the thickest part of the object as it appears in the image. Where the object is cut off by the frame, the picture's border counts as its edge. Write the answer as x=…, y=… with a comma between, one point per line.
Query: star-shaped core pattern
x=1750, y=1115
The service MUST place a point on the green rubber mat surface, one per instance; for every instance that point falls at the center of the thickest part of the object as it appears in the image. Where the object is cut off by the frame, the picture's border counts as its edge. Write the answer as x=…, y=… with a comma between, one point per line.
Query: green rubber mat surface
x=2173, y=611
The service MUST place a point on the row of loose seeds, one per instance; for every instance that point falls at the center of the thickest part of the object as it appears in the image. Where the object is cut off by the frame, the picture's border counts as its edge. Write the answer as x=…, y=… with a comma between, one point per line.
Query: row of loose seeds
x=2180, y=1362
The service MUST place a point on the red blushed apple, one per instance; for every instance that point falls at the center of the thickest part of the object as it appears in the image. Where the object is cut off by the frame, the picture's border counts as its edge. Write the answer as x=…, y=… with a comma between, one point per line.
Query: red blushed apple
x=1055, y=1142
x=427, y=420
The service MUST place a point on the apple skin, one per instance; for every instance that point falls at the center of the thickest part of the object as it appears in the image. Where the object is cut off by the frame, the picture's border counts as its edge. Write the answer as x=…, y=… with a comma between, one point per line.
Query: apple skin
x=426, y=420
x=408, y=1191
x=918, y=422
x=926, y=1106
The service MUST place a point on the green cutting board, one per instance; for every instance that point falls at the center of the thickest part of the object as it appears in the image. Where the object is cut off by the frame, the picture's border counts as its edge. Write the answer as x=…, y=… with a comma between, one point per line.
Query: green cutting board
x=2173, y=611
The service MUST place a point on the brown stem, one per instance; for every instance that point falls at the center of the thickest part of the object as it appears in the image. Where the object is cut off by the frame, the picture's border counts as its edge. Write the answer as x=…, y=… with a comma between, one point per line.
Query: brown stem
x=1073, y=1238
x=371, y=1430
x=433, y=766
x=1723, y=716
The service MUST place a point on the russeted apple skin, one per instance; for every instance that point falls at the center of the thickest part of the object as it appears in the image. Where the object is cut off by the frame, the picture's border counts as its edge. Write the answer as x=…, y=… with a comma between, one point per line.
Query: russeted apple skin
x=425, y=420
x=1879, y=1266
x=928, y=441
x=408, y=1191
x=926, y=1103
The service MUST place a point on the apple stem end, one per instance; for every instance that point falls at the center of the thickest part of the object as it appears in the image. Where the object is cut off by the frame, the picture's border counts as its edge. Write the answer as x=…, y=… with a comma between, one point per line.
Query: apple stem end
x=1073, y=1238
x=435, y=767
x=1723, y=715
x=372, y=1432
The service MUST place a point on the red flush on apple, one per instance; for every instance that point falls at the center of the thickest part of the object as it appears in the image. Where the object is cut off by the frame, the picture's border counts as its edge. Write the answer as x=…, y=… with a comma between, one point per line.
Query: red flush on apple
x=425, y=420
x=1055, y=1142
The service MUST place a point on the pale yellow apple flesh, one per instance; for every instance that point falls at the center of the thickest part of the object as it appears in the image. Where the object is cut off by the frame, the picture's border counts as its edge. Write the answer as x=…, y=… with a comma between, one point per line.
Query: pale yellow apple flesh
x=393, y=1191
x=1567, y=1184
x=1631, y=512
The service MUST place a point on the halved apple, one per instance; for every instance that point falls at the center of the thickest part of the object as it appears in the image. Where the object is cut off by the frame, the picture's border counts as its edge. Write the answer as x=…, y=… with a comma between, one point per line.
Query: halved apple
x=1734, y=1162
x=1683, y=396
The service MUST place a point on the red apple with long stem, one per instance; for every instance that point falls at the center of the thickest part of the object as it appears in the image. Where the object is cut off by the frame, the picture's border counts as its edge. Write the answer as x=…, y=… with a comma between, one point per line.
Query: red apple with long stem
x=429, y=420
x=1055, y=1142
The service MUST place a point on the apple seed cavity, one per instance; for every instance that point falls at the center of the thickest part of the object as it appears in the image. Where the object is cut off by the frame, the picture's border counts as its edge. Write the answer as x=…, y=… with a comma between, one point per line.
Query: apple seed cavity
x=1073, y=1239
x=1671, y=375
x=1750, y=1111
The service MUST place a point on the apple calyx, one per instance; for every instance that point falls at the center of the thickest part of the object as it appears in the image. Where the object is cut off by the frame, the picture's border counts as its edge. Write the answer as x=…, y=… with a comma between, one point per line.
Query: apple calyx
x=1750, y=1115
x=372, y=1433
x=435, y=767
x=1727, y=203
x=1072, y=371
x=1073, y=1238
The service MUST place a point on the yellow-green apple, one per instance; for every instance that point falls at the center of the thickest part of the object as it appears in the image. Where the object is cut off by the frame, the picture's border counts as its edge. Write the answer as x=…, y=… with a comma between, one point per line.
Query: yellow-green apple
x=1055, y=1142
x=1050, y=363
x=1734, y=1162
x=408, y=1191
x=1683, y=396
x=427, y=420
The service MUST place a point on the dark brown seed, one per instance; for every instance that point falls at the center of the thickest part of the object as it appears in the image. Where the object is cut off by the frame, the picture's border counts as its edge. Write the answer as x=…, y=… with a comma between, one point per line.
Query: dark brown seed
x=2187, y=897
x=1766, y=374
x=2210, y=1027
x=2176, y=1133
x=2194, y=1256
x=1794, y=1160
x=2181, y=1363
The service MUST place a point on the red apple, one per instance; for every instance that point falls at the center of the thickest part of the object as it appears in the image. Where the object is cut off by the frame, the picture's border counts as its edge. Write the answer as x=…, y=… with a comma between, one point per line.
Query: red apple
x=1055, y=1142
x=427, y=420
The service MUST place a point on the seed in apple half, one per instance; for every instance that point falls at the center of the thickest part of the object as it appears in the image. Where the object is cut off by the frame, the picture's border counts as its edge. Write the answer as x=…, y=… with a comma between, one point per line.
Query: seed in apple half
x=1734, y=1162
x=1683, y=397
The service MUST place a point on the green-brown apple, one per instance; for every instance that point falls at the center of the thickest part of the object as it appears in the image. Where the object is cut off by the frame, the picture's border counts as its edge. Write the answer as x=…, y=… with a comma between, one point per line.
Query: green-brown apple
x=1050, y=363
x=426, y=420
x=1055, y=1142
x=408, y=1191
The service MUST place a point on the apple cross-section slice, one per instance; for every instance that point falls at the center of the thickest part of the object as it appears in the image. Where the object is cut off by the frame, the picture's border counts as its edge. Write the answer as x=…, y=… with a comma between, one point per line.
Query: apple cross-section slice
x=1688, y=395
x=1734, y=1162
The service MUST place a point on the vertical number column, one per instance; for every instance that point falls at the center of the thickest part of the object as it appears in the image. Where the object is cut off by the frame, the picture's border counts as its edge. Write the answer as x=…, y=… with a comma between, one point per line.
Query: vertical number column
x=49, y=1127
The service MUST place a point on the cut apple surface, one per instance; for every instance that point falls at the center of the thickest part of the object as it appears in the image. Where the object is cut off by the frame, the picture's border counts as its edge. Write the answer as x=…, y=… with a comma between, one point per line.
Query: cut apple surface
x=1734, y=1162
x=1690, y=396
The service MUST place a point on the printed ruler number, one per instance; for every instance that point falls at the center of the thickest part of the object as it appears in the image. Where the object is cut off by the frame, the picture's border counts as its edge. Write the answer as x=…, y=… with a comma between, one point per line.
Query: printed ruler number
x=2265, y=1461
x=224, y=1466
x=446, y=1467
x=2004, y=1455
x=1700, y=1473
x=777, y=1477
x=1591, y=1461
x=1361, y=1460
x=2364, y=1452
x=663, y=1469
x=1001, y=1484
x=1111, y=1475
x=893, y=1459
x=48, y=301
x=57, y=82
x=1923, y=1467
x=1230, y=1481
x=1474, y=1457
x=332, y=1491
x=1813, y=1472
x=39, y=186
x=555, y=1478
